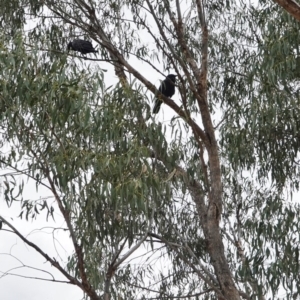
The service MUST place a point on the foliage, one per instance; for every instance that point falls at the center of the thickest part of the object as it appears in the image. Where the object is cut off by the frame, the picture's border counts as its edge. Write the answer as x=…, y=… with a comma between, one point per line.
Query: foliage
x=123, y=180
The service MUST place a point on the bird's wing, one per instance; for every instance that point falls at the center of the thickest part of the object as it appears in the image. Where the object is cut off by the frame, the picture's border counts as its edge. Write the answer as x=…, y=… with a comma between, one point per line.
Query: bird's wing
x=89, y=44
x=162, y=87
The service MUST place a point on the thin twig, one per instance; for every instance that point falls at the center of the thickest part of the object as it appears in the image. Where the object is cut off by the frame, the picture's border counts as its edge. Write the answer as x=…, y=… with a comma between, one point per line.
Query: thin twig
x=72, y=280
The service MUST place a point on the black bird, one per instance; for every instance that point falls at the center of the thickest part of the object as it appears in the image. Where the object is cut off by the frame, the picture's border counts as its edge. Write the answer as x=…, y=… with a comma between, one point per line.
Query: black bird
x=82, y=46
x=167, y=88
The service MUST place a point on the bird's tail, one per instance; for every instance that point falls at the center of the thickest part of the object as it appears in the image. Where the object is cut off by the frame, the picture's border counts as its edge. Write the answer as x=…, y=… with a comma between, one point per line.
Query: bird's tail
x=156, y=107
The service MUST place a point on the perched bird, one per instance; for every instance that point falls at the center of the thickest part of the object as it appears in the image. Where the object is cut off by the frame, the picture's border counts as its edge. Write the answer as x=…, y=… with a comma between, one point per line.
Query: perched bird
x=167, y=88
x=82, y=46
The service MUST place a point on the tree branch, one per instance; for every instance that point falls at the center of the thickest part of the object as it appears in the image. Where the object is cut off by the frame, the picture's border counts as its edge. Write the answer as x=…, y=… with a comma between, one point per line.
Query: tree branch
x=53, y=262
x=184, y=258
x=66, y=214
x=291, y=7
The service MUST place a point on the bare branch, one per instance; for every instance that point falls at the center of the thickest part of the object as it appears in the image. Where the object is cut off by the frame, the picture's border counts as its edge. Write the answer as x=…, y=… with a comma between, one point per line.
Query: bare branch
x=36, y=278
x=201, y=13
x=72, y=280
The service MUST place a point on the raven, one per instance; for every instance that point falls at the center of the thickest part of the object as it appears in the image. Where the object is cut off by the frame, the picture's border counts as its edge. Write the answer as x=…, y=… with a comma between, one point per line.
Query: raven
x=82, y=46
x=167, y=88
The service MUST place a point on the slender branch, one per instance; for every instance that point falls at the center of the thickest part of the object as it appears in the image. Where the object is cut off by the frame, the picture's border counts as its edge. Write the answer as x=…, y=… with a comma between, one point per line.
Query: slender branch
x=36, y=278
x=160, y=46
x=201, y=14
x=72, y=55
x=78, y=249
x=182, y=44
x=191, y=265
x=113, y=266
x=171, y=59
x=166, y=40
x=232, y=240
x=22, y=266
x=145, y=288
x=178, y=12
x=169, y=297
x=226, y=114
x=53, y=262
x=148, y=62
x=212, y=278
x=118, y=252
x=181, y=297
x=126, y=255
x=66, y=214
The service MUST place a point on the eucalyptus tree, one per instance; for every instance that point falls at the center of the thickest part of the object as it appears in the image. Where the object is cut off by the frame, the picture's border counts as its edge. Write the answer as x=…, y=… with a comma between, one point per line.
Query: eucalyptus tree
x=202, y=194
